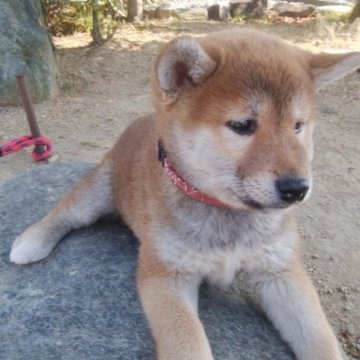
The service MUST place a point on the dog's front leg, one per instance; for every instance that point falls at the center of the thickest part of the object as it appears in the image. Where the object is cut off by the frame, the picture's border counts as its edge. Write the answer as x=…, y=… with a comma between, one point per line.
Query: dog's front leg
x=169, y=300
x=90, y=198
x=292, y=304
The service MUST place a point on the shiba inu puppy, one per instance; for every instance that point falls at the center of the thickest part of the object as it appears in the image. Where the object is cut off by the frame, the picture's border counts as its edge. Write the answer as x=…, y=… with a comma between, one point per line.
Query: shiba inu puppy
x=207, y=184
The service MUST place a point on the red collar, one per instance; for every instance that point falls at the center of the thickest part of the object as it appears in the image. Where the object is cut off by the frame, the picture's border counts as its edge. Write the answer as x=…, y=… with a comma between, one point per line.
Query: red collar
x=182, y=184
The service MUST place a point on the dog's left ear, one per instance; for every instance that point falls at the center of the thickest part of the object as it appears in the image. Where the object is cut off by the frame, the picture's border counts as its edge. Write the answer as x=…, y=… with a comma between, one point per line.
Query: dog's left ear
x=182, y=63
x=327, y=68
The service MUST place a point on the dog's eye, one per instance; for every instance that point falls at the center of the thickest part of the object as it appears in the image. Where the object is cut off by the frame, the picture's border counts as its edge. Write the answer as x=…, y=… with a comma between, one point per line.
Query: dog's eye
x=243, y=127
x=299, y=126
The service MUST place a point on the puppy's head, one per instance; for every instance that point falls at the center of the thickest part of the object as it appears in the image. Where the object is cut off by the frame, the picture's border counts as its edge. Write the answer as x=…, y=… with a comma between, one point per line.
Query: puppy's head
x=234, y=113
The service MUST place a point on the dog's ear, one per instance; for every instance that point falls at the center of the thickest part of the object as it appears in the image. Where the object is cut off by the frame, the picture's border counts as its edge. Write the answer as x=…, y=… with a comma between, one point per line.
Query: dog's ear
x=182, y=63
x=327, y=68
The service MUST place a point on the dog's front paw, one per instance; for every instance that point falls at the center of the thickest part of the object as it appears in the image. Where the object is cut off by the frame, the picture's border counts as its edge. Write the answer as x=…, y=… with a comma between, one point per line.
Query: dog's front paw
x=30, y=246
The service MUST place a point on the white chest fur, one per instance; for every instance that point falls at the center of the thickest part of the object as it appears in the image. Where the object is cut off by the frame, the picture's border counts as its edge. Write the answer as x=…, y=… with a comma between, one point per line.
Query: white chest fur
x=217, y=244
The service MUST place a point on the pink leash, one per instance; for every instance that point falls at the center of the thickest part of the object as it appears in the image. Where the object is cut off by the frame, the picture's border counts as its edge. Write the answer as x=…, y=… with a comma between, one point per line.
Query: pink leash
x=43, y=147
x=25, y=141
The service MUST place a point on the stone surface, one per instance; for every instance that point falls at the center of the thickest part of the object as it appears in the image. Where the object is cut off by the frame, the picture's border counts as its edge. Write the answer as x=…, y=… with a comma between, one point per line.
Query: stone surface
x=248, y=8
x=164, y=11
x=149, y=12
x=81, y=302
x=293, y=9
x=193, y=14
x=25, y=46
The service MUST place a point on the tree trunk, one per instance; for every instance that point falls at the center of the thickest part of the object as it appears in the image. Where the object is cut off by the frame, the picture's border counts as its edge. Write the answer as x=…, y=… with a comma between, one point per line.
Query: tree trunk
x=121, y=5
x=356, y=12
x=96, y=31
x=25, y=47
x=135, y=10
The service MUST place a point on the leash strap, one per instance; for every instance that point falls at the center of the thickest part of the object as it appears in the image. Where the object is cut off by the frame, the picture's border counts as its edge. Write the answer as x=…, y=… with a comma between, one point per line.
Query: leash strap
x=25, y=141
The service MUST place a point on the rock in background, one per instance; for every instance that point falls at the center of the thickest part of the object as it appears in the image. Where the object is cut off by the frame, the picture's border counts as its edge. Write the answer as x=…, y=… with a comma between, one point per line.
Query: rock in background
x=222, y=10
x=26, y=46
x=164, y=11
x=248, y=8
x=293, y=9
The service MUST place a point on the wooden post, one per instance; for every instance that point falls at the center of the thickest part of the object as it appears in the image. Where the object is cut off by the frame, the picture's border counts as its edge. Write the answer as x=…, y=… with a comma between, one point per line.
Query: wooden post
x=29, y=109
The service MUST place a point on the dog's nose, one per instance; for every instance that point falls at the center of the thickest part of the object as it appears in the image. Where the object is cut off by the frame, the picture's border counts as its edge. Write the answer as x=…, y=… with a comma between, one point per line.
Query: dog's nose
x=292, y=189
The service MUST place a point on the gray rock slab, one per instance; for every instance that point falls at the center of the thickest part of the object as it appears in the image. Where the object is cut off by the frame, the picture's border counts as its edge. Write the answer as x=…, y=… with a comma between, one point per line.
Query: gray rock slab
x=81, y=302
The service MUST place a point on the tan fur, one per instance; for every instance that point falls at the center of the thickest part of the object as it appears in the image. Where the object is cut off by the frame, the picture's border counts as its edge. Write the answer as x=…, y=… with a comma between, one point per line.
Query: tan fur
x=199, y=86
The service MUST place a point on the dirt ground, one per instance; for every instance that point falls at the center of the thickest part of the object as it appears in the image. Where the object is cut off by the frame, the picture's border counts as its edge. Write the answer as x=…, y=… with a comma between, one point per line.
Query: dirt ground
x=103, y=89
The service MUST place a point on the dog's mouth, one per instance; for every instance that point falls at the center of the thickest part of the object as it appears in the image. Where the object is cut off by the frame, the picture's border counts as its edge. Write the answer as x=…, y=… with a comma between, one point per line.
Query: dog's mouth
x=257, y=205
